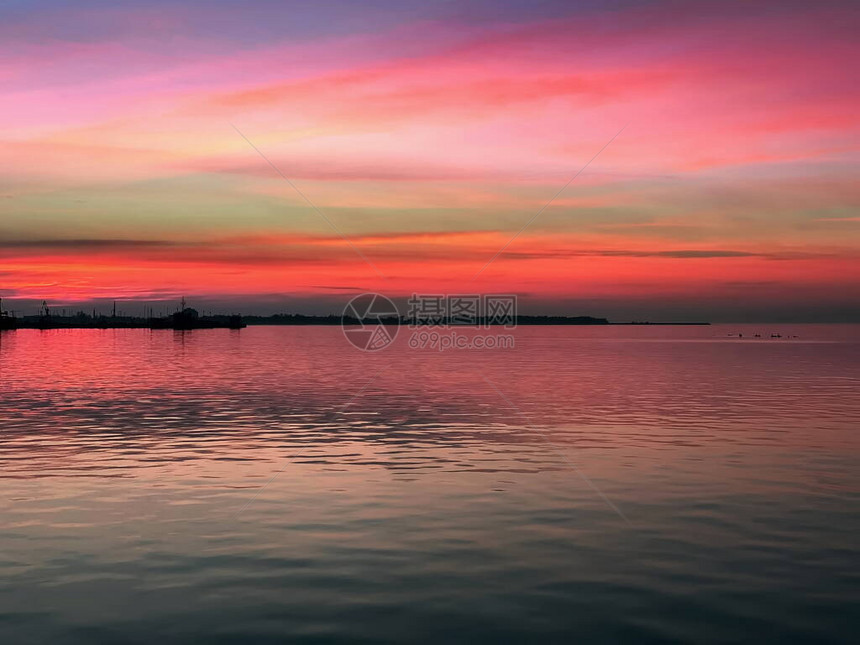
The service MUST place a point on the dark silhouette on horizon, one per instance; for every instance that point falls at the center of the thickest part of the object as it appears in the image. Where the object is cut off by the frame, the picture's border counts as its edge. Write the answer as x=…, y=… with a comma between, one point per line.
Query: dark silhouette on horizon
x=7, y=319
x=186, y=318
x=183, y=319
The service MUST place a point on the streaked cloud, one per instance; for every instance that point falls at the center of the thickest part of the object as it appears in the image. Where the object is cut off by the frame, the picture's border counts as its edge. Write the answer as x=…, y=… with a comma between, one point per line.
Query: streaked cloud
x=428, y=133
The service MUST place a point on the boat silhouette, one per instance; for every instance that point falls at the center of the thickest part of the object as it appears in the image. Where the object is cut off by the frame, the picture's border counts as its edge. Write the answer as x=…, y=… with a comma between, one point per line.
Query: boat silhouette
x=188, y=318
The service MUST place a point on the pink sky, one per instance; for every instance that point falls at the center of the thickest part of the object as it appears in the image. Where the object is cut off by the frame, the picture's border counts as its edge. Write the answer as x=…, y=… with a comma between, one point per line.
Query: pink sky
x=429, y=138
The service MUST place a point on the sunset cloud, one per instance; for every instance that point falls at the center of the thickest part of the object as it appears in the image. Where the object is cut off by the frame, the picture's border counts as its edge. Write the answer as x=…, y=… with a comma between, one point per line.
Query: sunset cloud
x=428, y=135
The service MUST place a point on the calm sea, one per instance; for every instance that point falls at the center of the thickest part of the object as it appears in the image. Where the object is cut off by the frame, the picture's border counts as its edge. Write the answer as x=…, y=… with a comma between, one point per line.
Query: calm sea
x=593, y=484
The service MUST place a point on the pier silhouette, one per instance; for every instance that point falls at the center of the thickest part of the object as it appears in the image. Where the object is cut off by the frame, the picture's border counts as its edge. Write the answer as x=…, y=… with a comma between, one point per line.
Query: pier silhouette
x=184, y=318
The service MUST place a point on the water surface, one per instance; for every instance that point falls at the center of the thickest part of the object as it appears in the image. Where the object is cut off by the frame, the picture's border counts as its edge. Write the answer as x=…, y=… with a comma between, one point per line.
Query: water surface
x=595, y=484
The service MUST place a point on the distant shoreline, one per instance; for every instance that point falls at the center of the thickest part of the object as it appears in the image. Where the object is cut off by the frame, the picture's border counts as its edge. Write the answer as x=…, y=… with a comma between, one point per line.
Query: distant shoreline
x=282, y=320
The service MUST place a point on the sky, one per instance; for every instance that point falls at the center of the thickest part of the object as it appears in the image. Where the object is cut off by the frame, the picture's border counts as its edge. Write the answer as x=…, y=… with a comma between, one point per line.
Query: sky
x=662, y=160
